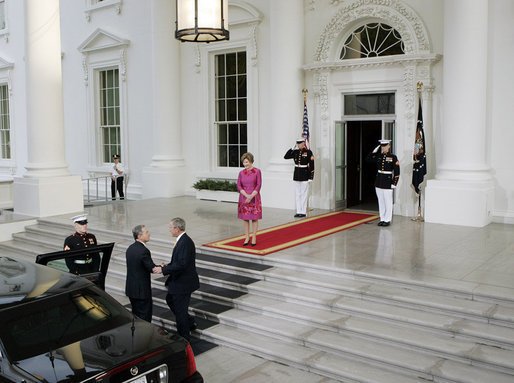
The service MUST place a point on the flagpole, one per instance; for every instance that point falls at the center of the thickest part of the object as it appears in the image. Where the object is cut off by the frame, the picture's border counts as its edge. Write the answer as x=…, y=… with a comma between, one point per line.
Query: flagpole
x=419, y=218
x=304, y=92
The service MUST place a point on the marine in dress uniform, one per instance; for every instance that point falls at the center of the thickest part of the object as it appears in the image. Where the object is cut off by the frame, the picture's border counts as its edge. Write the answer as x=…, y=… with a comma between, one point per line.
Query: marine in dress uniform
x=303, y=173
x=388, y=174
x=81, y=239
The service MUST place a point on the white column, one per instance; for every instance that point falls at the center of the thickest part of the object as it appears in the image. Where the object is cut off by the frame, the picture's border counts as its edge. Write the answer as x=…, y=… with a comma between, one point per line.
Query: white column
x=287, y=80
x=47, y=188
x=462, y=192
x=165, y=175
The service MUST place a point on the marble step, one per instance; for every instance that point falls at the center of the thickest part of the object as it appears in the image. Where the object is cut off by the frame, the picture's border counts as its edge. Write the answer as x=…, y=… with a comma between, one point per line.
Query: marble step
x=415, y=362
x=337, y=309
x=346, y=367
x=290, y=317
x=324, y=275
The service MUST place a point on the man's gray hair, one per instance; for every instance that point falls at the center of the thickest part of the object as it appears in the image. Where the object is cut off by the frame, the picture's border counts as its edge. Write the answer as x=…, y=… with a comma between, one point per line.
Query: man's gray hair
x=137, y=231
x=179, y=223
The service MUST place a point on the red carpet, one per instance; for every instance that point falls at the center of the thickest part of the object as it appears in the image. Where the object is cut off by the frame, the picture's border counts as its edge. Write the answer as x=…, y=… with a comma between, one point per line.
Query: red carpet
x=295, y=233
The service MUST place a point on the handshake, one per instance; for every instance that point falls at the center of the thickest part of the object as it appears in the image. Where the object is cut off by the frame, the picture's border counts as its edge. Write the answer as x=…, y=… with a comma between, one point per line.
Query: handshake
x=158, y=269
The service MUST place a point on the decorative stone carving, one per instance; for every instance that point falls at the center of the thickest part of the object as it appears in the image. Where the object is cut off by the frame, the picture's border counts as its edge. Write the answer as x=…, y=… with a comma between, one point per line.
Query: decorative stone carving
x=252, y=46
x=198, y=59
x=85, y=69
x=393, y=12
x=123, y=64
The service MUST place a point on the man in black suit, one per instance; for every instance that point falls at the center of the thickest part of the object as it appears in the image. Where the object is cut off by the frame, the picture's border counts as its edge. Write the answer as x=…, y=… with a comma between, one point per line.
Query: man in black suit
x=183, y=278
x=139, y=267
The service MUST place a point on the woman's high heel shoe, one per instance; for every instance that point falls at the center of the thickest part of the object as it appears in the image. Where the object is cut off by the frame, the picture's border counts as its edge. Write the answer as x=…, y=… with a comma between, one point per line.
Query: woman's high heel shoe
x=245, y=243
x=254, y=242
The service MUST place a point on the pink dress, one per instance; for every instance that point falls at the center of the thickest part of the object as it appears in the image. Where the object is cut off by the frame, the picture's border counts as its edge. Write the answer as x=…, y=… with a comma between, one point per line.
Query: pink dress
x=249, y=180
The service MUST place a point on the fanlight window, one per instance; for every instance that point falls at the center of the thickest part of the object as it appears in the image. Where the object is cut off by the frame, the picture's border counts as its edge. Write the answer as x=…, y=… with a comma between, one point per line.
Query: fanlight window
x=372, y=40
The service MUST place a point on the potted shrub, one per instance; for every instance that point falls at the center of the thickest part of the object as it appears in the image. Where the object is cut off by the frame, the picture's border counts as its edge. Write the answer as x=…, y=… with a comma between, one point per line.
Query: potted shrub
x=217, y=190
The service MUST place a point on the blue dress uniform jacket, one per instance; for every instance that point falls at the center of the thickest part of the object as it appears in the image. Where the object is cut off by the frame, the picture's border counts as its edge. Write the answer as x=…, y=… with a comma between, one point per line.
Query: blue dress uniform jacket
x=87, y=263
x=304, y=164
x=388, y=169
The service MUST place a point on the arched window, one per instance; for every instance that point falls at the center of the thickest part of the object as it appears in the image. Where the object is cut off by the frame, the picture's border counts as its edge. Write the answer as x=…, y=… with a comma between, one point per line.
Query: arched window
x=373, y=40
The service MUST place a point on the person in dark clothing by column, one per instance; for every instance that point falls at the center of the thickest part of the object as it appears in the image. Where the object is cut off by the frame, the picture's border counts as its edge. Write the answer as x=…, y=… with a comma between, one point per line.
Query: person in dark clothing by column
x=138, y=285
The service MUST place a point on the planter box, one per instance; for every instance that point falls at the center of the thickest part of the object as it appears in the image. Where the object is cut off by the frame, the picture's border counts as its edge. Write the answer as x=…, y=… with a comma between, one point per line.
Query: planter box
x=217, y=195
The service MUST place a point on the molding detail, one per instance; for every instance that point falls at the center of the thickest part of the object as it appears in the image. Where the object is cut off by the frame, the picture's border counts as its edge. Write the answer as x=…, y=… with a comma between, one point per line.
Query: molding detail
x=198, y=59
x=101, y=39
x=4, y=64
x=393, y=12
x=123, y=64
x=85, y=69
x=252, y=48
x=96, y=6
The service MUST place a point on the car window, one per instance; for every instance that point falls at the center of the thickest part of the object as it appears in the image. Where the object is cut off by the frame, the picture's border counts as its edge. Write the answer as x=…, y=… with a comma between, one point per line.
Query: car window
x=39, y=326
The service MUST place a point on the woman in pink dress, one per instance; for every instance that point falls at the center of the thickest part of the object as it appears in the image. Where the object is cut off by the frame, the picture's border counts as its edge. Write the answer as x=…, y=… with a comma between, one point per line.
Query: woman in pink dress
x=249, y=207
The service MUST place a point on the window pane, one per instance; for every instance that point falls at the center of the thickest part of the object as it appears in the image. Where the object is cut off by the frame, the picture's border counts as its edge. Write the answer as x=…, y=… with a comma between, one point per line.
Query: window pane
x=231, y=64
x=369, y=104
x=241, y=86
x=242, y=135
x=220, y=65
x=241, y=62
x=222, y=155
x=233, y=156
x=220, y=87
x=222, y=134
x=231, y=87
x=221, y=111
x=241, y=109
x=233, y=134
x=232, y=110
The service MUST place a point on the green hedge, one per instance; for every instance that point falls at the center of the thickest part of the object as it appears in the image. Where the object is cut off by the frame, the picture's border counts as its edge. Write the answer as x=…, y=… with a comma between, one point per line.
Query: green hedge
x=216, y=185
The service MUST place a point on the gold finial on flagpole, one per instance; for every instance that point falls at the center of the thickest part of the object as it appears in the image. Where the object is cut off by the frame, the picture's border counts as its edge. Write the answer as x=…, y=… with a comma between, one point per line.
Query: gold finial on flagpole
x=419, y=86
x=305, y=91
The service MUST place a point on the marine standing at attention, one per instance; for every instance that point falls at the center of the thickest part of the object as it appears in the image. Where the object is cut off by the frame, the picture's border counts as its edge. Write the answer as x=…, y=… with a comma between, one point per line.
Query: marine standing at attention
x=81, y=239
x=303, y=174
x=388, y=174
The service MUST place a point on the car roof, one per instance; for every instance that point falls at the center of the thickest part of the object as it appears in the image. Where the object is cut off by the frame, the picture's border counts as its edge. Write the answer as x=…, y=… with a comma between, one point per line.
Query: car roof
x=21, y=281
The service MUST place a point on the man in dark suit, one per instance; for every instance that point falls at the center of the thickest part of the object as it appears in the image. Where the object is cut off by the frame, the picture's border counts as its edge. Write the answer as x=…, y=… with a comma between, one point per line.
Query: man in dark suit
x=183, y=278
x=139, y=267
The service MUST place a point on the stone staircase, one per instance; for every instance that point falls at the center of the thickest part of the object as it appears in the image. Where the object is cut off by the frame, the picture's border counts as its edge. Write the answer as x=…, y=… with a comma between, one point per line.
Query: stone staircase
x=339, y=324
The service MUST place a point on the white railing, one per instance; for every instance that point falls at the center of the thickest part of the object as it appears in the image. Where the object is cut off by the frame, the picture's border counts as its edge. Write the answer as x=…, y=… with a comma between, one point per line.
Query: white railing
x=94, y=193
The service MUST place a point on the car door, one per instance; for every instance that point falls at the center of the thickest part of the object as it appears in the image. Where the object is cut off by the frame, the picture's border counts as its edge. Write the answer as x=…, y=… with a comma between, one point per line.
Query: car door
x=91, y=263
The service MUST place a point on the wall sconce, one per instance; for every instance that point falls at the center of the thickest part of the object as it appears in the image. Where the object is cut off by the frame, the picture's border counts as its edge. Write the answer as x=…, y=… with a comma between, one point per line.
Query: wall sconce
x=202, y=21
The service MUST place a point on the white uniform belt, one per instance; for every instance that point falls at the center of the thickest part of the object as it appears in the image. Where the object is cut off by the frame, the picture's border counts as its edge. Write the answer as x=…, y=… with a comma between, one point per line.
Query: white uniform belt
x=301, y=166
x=385, y=172
x=82, y=261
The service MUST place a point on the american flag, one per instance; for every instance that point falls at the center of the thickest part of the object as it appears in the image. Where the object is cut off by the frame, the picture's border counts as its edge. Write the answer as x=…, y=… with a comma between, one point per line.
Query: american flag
x=305, y=128
x=419, y=168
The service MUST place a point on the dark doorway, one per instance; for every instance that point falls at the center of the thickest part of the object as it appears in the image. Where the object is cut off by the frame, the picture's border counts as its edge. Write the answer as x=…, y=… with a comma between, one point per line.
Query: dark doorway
x=362, y=138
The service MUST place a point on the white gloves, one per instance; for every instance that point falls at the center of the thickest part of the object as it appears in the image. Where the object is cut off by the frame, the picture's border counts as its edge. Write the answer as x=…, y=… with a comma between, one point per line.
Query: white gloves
x=393, y=186
x=376, y=149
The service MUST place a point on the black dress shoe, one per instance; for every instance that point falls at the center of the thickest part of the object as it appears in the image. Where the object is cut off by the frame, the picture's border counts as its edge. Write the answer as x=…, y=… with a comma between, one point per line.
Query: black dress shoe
x=193, y=327
x=386, y=223
x=297, y=215
x=381, y=223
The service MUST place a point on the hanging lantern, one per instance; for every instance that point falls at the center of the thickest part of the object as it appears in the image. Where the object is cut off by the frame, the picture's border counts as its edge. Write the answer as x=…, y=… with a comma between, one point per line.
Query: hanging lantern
x=202, y=21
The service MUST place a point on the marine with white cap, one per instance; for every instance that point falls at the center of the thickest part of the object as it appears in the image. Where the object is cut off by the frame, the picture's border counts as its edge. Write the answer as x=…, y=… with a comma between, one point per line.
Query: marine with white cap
x=303, y=174
x=388, y=174
x=81, y=239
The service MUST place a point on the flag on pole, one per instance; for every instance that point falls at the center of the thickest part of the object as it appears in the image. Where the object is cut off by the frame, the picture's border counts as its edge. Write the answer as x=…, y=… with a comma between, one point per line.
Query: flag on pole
x=305, y=127
x=419, y=168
